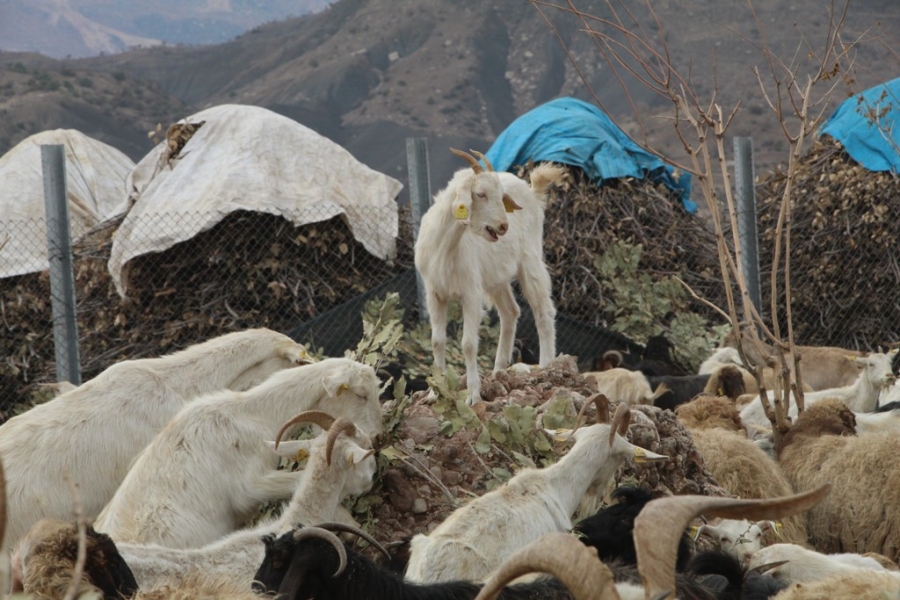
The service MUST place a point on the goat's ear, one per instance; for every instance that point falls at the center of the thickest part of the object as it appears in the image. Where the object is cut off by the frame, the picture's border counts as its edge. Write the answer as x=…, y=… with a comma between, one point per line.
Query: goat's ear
x=765, y=526
x=356, y=455
x=560, y=435
x=294, y=449
x=294, y=578
x=339, y=382
x=462, y=205
x=696, y=532
x=509, y=204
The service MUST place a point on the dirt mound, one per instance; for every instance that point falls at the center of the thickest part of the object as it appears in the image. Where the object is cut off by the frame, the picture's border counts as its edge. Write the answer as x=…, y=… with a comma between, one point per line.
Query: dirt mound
x=440, y=453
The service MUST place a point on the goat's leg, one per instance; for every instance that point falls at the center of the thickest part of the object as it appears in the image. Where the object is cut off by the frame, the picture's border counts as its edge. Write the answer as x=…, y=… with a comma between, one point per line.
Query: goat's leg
x=506, y=305
x=471, y=306
x=437, y=313
x=536, y=286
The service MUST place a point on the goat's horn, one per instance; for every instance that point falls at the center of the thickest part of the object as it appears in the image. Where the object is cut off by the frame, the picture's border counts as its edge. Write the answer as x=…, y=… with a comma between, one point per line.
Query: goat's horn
x=768, y=566
x=601, y=403
x=620, y=422
x=473, y=162
x=487, y=163
x=358, y=533
x=324, y=534
x=661, y=522
x=562, y=555
x=317, y=417
x=340, y=425
x=615, y=354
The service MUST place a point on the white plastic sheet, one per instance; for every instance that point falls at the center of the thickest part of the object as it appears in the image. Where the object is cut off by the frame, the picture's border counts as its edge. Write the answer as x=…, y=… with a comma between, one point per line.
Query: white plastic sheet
x=95, y=185
x=250, y=158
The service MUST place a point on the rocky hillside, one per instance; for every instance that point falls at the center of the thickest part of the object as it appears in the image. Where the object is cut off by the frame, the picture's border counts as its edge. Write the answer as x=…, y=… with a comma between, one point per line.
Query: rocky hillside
x=78, y=28
x=369, y=73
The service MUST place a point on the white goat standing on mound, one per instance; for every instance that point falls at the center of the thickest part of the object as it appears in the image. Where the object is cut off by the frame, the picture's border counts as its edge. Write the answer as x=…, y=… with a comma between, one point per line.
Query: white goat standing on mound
x=469, y=247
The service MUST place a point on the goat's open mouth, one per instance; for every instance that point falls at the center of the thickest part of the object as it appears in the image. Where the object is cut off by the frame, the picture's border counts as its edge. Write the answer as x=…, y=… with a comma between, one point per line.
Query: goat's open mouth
x=493, y=234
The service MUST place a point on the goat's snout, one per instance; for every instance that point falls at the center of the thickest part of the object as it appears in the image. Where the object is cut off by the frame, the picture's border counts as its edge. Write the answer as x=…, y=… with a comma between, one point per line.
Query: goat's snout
x=494, y=233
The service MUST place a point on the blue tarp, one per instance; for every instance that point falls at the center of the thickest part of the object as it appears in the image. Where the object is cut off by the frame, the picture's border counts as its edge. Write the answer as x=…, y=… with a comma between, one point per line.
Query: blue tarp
x=868, y=126
x=567, y=130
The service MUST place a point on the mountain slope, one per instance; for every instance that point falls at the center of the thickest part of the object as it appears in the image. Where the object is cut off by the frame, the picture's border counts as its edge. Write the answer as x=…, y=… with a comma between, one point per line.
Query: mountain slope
x=369, y=73
x=62, y=28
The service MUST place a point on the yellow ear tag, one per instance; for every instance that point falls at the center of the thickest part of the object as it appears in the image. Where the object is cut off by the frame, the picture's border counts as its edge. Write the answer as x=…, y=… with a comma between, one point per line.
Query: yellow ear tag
x=640, y=455
x=350, y=460
x=694, y=532
x=778, y=527
x=461, y=212
x=344, y=387
x=558, y=435
x=302, y=454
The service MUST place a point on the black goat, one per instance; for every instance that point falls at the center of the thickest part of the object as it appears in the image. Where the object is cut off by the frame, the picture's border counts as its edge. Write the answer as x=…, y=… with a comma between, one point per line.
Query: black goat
x=658, y=360
x=731, y=579
x=393, y=372
x=654, y=360
x=316, y=567
x=888, y=407
x=610, y=529
x=311, y=568
x=682, y=389
x=47, y=566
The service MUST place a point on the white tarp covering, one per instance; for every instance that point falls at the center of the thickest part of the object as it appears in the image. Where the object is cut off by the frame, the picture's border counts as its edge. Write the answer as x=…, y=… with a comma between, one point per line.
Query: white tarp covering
x=95, y=185
x=250, y=158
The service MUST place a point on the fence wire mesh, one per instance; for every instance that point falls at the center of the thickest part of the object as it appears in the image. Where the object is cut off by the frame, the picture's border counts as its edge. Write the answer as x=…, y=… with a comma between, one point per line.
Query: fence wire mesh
x=614, y=253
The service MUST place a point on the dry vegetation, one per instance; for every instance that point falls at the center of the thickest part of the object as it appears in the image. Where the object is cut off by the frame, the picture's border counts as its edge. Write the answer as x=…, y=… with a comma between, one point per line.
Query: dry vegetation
x=844, y=259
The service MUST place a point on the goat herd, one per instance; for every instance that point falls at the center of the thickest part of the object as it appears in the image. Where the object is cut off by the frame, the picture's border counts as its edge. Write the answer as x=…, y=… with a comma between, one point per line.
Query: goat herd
x=166, y=460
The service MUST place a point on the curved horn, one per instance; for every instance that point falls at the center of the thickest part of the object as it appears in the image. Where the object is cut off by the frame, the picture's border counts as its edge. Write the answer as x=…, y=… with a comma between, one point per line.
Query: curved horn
x=487, y=163
x=620, y=422
x=324, y=534
x=620, y=360
x=318, y=417
x=562, y=555
x=358, y=533
x=761, y=569
x=661, y=522
x=601, y=403
x=340, y=425
x=473, y=162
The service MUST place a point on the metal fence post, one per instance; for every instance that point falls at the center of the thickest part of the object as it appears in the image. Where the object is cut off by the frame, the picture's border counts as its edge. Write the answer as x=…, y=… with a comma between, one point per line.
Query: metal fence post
x=745, y=195
x=59, y=253
x=419, y=200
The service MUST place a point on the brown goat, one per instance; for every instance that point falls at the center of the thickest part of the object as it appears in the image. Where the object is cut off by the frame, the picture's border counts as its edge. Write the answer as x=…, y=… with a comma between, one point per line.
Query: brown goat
x=822, y=367
x=861, y=514
x=710, y=412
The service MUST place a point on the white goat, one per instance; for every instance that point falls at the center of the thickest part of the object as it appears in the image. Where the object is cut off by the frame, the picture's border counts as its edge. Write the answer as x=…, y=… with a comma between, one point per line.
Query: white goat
x=94, y=431
x=622, y=385
x=325, y=485
x=738, y=537
x=862, y=396
x=803, y=564
x=478, y=537
x=469, y=248
x=206, y=473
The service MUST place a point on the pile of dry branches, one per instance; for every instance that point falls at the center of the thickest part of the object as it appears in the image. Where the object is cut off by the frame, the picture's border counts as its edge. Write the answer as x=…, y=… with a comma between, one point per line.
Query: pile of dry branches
x=584, y=219
x=845, y=224
x=250, y=270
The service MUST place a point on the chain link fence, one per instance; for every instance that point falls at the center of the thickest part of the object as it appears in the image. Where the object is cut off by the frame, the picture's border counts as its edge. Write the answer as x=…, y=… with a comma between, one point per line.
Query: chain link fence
x=614, y=253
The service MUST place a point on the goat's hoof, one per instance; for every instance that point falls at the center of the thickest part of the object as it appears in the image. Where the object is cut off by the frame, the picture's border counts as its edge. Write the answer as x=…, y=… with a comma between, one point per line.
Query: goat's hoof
x=472, y=401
